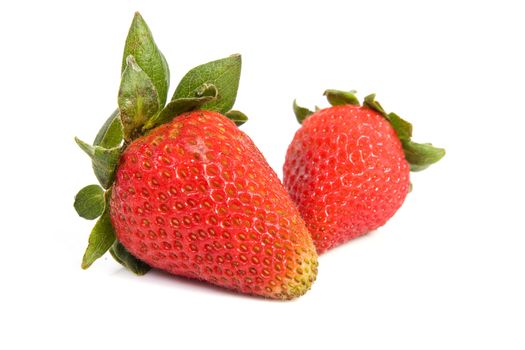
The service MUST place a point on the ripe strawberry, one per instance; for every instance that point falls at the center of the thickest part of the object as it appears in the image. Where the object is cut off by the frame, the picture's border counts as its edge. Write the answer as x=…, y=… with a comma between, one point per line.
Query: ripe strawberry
x=184, y=190
x=347, y=168
x=196, y=198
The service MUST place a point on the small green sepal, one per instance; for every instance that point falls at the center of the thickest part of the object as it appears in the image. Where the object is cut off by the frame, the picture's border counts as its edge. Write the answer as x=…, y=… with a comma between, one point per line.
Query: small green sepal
x=104, y=161
x=338, y=97
x=370, y=102
x=124, y=257
x=421, y=155
x=89, y=202
x=175, y=108
x=301, y=113
x=238, y=117
x=101, y=238
x=110, y=134
x=402, y=128
x=138, y=100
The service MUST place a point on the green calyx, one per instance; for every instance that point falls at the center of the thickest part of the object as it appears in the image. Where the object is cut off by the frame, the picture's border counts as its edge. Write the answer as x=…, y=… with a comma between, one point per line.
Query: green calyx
x=210, y=86
x=301, y=113
x=338, y=97
x=419, y=155
x=104, y=161
x=143, y=106
x=102, y=236
x=123, y=257
x=138, y=100
x=89, y=202
x=238, y=117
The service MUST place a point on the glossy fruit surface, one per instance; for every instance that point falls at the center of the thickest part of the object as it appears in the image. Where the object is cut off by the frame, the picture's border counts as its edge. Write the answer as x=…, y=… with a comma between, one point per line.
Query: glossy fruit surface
x=196, y=198
x=346, y=171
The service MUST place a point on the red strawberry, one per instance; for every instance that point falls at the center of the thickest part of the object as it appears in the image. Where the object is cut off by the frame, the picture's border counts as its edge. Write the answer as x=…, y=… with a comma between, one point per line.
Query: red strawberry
x=347, y=168
x=184, y=190
x=196, y=198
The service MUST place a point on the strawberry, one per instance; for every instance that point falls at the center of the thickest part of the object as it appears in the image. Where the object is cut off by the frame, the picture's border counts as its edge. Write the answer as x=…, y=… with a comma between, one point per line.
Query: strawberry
x=196, y=198
x=348, y=166
x=183, y=190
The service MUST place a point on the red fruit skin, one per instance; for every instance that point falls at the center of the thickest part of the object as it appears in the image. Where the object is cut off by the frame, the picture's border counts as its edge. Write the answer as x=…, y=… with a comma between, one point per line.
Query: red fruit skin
x=346, y=171
x=196, y=198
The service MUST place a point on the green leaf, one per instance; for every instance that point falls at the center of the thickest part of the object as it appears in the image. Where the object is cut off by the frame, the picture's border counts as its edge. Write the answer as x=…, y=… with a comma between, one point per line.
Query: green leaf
x=101, y=238
x=140, y=44
x=238, y=117
x=124, y=257
x=401, y=126
x=301, y=113
x=176, y=107
x=89, y=202
x=371, y=103
x=338, y=97
x=421, y=155
x=138, y=100
x=224, y=74
x=110, y=135
x=105, y=161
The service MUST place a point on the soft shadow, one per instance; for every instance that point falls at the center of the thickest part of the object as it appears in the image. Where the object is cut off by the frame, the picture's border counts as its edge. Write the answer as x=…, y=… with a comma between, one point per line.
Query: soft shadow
x=167, y=279
x=357, y=240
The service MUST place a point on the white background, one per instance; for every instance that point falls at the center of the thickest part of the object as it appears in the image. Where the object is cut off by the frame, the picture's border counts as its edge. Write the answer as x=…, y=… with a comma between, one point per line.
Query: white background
x=447, y=272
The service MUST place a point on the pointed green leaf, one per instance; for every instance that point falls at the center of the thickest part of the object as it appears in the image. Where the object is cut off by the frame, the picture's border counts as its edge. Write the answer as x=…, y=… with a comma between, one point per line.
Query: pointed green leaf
x=101, y=238
x=205, y=93
x=301, y=113
x=338, y=97
x=371, y=103
x=224, y=74
x=421, y=155
x=110, y=135
x=238, y=117
x=401, y=126
x=176, y=107
x=89, y=202
x=138, y=100
x=124, y=257
x=140, y=44
x=105, y=161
